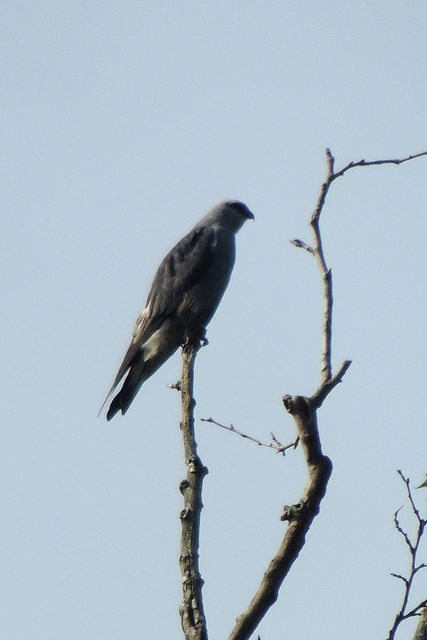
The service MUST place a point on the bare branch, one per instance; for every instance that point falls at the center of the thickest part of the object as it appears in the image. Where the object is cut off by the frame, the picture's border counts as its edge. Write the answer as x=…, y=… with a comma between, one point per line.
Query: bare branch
x=302, y=245
x=371, y=163
x=299, y=517
x=397, y=575
x=303, y=410
x=403, y=613
x=276, y=445
x=191, y=610
x=410, y=498
x=293, y=444
x=401, y=531
x=326, y=387
x=326, y=360
x=318, y=253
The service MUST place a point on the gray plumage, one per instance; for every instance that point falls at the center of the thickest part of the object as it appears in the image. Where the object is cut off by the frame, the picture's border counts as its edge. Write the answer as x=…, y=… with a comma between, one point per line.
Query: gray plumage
x=185, y=293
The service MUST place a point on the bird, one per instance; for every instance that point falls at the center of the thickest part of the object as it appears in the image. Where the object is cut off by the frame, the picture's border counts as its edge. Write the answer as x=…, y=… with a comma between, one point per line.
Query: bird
x=186, y=291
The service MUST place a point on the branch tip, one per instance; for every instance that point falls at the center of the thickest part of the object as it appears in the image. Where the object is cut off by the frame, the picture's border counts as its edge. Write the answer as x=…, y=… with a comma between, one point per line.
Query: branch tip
x=331, y=161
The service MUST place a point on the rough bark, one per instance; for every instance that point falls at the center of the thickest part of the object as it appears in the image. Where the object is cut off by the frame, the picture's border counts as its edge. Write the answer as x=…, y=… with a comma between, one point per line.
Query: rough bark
x=299, y=516
x=191, y=610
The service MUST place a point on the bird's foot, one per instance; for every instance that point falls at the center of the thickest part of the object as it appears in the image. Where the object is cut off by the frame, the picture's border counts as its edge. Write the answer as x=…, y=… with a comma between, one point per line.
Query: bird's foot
x=195, y=338
x=203, y=339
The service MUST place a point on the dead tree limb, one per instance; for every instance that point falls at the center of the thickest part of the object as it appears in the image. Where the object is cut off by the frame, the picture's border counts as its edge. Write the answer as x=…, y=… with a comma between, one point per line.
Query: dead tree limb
x=191, y=610
x=304, y=412
x=299, y=516
x=319, y=467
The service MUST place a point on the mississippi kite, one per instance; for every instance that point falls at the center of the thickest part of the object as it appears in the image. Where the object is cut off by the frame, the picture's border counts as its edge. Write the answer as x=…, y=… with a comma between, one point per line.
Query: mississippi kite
x=185, y=293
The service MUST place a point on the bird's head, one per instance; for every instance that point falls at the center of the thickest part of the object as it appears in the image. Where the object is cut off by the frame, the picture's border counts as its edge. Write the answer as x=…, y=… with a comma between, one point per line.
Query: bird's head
x=233, y=213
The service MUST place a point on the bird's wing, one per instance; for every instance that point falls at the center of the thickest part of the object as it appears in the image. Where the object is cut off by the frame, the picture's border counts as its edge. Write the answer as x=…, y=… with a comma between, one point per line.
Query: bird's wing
x=180, y=270
x=183, y=267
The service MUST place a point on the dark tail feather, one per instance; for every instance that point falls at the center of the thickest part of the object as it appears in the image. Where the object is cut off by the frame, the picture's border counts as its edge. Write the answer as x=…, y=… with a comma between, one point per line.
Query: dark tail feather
x=115, y=406
x=120, y=403
x=123, y=400
x=115, y=383
x=146, y=361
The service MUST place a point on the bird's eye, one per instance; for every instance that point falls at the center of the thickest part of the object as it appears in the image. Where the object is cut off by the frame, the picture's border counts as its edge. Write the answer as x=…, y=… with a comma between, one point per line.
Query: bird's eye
x=238, y=206
x=241, y=208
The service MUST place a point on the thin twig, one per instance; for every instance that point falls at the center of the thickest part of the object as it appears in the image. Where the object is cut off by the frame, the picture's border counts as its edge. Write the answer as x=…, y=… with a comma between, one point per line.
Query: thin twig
x=397, y=575
x=276, y=445
x=401, y=531
x=371, y=163
x=410, y=498
x=293, y=444
x=302, y=245
x=318, y=253
x=327, y=386
x=299, y=517
x=404, y=613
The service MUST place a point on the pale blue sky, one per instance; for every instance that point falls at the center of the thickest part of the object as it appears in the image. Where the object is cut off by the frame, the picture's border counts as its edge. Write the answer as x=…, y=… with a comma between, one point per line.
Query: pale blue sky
x=123, y=122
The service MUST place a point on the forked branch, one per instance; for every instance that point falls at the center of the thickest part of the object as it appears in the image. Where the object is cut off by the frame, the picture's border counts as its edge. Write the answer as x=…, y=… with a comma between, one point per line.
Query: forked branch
x=413, y=546
x=319, y=467
x=274, y=444
x=317, y=249
x=304, y=412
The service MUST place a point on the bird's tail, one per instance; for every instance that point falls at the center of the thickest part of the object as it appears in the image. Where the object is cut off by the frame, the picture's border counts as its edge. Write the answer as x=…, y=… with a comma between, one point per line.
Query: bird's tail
x=121, y=402
x=153, y=353
x=139, y=372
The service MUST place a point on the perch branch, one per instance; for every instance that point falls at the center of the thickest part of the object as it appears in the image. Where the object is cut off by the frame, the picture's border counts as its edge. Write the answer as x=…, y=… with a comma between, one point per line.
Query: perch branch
x=404, y=613
x=191, y=610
